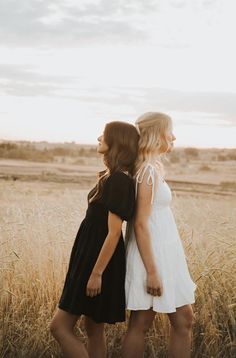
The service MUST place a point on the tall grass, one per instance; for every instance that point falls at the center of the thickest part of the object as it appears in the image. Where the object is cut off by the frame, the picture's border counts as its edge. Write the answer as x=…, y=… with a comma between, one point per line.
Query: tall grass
x=37, y=228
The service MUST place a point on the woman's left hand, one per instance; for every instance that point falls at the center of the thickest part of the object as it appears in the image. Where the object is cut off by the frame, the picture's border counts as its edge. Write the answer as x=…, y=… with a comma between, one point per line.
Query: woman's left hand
x=94, y=285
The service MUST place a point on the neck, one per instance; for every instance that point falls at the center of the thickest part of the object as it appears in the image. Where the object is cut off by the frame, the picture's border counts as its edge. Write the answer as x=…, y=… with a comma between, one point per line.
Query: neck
x=153, y=158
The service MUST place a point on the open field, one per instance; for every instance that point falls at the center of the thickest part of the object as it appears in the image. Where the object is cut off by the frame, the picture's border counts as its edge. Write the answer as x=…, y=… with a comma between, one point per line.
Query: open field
x=41, y=206
x=68, y=162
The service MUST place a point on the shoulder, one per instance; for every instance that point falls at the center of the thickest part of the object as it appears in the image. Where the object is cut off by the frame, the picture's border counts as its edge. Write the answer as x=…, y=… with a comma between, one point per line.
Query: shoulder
x=119, y=184
x=120, y=177
x=146, y=172
x=149, y=172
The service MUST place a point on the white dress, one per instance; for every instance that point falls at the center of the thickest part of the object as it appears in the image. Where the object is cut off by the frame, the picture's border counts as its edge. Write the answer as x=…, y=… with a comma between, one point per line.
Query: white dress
x=178, y=287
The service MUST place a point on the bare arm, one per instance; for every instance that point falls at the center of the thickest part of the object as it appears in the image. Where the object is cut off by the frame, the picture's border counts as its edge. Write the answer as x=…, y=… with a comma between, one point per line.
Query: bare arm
x=143, y=210
x=107, y=250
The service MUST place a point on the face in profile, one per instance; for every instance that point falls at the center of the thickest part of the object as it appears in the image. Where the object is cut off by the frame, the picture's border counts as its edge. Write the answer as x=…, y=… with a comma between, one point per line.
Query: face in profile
x=170, y=137
x=102, y=146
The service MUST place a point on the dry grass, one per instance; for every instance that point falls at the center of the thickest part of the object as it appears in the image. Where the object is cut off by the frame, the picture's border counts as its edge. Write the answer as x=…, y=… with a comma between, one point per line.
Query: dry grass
x=38, y=223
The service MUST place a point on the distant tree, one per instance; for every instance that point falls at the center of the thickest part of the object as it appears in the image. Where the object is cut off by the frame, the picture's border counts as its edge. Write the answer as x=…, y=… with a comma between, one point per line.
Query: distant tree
x=192, y=152
x=8, y=146
x=221, y=158
x=61, y=151
x=174, y=158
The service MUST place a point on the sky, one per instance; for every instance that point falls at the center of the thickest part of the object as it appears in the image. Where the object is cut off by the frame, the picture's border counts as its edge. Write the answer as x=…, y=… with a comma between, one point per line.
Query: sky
x=67, y=67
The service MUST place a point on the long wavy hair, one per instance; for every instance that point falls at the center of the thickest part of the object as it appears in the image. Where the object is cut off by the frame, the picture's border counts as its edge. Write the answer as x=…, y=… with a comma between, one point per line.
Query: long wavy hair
x=122, y=141
x=152, y=128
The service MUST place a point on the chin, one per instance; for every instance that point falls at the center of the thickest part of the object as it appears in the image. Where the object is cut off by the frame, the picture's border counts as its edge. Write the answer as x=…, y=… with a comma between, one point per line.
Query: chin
x=101, y=151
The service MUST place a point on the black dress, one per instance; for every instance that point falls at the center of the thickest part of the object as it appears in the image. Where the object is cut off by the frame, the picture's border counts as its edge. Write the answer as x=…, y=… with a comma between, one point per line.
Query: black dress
x=118, y=196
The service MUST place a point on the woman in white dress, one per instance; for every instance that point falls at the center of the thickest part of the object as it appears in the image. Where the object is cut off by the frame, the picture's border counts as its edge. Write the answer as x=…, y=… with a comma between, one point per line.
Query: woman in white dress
x=157, y=277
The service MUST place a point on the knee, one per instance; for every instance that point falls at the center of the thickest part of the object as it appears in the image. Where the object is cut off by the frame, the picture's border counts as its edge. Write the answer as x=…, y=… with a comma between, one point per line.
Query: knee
x=190, y=320
x=54, y=328
x=141, y=325
x=57, y=329
x=185, y=322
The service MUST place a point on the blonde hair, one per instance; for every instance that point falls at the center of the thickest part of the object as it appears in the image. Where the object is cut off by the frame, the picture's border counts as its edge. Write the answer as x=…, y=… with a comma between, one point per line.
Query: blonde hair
x=152, y=128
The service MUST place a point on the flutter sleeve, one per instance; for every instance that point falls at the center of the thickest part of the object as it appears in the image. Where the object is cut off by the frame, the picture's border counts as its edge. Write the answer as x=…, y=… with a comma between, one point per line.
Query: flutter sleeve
x=119, y=195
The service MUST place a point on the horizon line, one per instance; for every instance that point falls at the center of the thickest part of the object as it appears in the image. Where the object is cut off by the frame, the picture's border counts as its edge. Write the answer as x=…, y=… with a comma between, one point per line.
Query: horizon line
x=94, y=144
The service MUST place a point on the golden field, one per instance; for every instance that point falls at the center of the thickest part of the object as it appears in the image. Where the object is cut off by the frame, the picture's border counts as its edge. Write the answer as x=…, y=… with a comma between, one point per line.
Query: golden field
x=41, y=206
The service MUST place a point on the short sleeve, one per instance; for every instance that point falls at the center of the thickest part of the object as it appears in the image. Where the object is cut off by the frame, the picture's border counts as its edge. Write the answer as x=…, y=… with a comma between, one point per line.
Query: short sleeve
x=119, y=195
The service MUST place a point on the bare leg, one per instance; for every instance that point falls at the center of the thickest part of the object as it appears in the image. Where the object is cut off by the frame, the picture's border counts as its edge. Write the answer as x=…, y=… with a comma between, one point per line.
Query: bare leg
x=96, y=339
x=62, y=328
x=139, y=323
x=181, y=332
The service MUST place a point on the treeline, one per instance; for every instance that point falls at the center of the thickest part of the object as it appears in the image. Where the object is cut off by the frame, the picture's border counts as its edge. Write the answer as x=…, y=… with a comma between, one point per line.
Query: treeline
x=29, y=152
x=194, y=154
x=218, y=154
x=49, y=152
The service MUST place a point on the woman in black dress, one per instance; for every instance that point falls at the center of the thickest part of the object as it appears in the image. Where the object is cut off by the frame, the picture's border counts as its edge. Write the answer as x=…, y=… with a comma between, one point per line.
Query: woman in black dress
x=94, y=285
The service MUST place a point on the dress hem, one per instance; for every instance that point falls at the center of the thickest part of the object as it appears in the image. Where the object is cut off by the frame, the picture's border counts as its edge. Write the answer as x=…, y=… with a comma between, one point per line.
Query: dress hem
x=83, y=313
x=157, y=310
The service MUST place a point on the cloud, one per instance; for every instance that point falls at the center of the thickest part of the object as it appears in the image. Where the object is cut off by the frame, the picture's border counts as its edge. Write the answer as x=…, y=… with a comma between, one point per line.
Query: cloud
x=22, y=80
x=216, y=103
x=55, y=23
x=195, y=107
x=26, y=72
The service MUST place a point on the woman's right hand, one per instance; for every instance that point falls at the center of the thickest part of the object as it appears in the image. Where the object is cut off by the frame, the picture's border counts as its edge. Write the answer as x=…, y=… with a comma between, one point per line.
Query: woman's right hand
x=154, y=286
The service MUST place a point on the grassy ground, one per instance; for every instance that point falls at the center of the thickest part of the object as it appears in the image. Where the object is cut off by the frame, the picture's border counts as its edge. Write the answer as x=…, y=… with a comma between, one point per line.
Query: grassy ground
x=38, y=223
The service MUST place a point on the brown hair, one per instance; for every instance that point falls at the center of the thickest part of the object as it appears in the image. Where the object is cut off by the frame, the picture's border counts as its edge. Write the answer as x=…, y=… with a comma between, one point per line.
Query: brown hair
x=122, y=141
